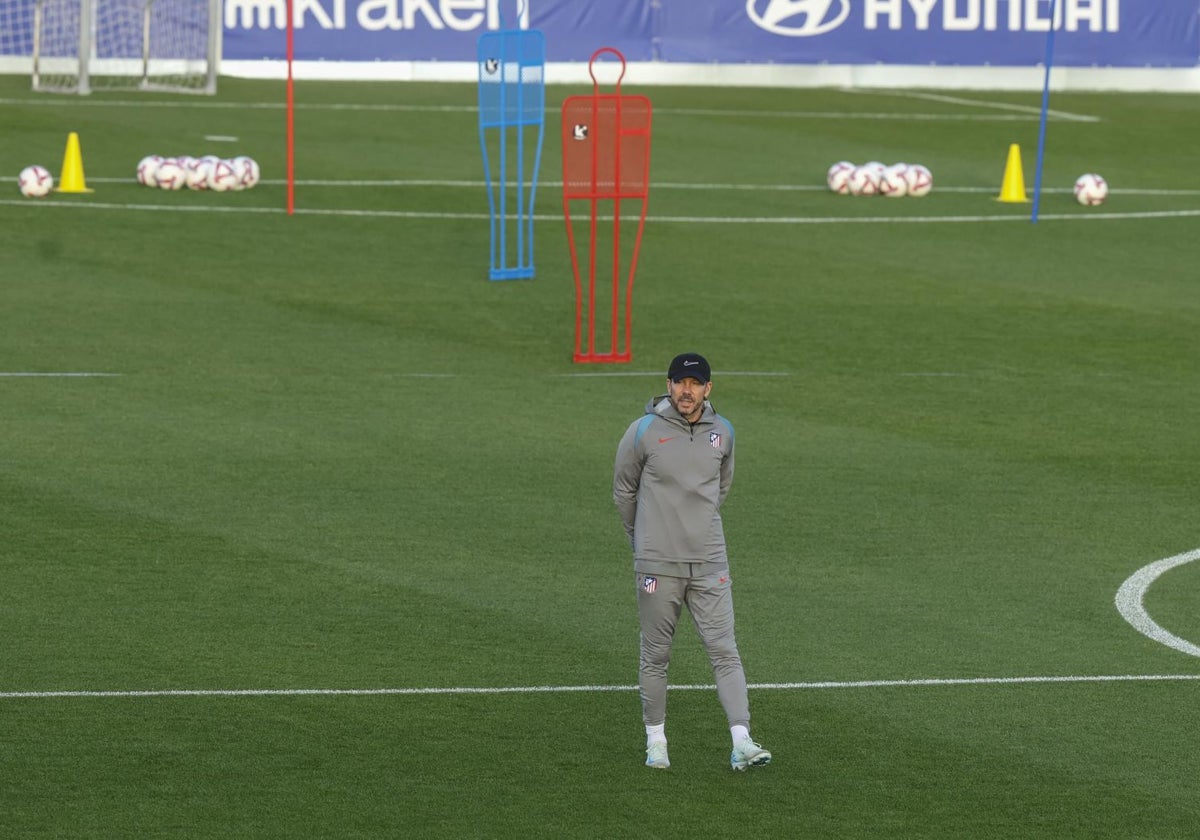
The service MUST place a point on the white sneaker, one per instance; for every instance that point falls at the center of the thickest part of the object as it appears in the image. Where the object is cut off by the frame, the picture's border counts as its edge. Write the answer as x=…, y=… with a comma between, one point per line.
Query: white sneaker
x=745, y=754
x=656, y=756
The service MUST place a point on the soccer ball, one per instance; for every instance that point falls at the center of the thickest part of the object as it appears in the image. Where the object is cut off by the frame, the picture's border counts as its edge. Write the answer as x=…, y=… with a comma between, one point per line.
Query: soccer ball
x=197, y=172
x=240, y=166
x=223, y=177
x=146, y=169
x=206, y=165
x=35, y=181
x=920, y=180
x=170, y=175
x=247, y=171
x=877, y=167
x=1091, y=189
x=894, y=181
x=864, y=180
x=253, y=173
x=838, y=177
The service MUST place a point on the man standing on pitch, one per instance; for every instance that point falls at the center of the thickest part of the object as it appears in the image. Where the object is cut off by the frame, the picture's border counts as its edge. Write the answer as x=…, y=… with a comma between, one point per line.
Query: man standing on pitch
x=673, y=470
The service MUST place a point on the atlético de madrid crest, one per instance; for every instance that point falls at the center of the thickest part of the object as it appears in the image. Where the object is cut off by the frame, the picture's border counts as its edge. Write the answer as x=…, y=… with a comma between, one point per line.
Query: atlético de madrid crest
x=714, y=440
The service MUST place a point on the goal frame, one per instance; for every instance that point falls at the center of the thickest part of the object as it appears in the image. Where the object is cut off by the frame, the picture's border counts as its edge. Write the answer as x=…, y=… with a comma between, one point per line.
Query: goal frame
x=81, y=63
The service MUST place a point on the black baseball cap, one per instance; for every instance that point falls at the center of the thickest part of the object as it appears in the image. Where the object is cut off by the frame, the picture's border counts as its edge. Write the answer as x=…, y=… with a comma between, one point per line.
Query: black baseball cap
x=689, y=364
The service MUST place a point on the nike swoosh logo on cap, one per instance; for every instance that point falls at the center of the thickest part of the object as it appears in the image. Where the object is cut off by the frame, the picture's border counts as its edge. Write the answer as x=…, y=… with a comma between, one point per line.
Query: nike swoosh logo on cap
x=687, y=364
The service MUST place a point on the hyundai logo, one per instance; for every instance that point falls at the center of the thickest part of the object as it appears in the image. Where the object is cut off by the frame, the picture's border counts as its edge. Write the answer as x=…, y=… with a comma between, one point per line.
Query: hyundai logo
x=798, y=18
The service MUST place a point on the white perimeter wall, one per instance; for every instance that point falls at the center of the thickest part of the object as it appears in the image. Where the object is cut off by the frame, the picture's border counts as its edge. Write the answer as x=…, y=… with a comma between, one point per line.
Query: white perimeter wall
x=734, y=75
x=758, y=75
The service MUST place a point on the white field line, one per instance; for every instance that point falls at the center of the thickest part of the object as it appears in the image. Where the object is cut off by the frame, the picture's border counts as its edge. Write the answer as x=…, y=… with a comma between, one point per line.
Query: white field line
x=976, y=103
x=481, y=185
x=455, y=375
x=615, y=373
x=1133, y=592
x=463, y=109
x=67, y=374
x=932, y=373
x=586, y=689
x=692, y=220
x=666, y=185
x=227, y=105
x=659, y=373
x=880, y=116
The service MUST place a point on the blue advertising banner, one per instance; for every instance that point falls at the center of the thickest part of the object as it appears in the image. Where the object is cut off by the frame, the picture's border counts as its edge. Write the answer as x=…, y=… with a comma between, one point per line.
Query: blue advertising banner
x=429, y=30
x=1132, y=33
x=1099, y=33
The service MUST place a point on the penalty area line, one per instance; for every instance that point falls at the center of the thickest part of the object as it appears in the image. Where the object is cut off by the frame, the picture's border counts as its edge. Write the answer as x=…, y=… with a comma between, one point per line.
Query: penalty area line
x=585, y=689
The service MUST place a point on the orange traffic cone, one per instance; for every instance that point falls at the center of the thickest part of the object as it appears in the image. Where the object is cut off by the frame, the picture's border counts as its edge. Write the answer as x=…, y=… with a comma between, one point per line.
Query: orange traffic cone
x=1012, y=189
x=71, y=180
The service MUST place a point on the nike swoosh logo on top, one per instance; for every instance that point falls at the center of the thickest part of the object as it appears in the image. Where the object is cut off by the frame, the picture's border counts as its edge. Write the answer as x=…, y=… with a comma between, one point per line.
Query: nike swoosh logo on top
x=664, y=440
x=689, y=364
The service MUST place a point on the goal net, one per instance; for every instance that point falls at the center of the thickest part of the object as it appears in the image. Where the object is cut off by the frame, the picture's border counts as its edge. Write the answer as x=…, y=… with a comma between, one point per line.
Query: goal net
x=85, y=45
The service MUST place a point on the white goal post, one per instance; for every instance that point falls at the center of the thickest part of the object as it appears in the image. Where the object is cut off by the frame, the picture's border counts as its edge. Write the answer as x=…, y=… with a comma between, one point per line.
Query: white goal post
x=85, y=45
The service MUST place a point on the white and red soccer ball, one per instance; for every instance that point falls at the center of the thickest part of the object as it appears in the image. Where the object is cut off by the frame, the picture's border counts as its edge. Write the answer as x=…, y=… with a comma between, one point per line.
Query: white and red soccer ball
x=864, y=180
x=171, y=175
x=197, y=171
x=222, y=177
x=893, y=181
x=35, y=181
x=147, y=170
x=920, y=180
x=1090, y=189
x=247, y=171
x=838, y=177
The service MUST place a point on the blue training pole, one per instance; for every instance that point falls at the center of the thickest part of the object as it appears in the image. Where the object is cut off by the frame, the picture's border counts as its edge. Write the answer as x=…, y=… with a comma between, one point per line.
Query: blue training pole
x=1041, y=150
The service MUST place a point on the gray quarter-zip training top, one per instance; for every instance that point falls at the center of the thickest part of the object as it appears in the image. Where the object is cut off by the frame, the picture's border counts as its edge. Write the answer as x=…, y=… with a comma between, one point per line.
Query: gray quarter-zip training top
x=669, y=481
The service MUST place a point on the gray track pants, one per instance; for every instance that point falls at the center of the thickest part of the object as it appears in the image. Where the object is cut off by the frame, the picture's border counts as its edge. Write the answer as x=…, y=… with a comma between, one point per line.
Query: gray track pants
x=709, y=599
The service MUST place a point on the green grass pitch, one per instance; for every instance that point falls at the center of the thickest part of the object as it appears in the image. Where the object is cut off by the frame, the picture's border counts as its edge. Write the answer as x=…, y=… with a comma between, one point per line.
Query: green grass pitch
x=332, y=456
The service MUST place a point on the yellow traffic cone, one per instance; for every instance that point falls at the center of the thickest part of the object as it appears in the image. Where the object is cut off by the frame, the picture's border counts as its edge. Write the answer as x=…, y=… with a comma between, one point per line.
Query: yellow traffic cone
x=1013, y=187
x=71, y=180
